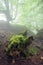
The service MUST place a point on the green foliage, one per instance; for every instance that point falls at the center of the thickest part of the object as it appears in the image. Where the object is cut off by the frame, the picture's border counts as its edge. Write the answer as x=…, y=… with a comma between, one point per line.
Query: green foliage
x=27, y=12
x=14, y=2
x=16, y=39
x=19, y=41
x=33, y=51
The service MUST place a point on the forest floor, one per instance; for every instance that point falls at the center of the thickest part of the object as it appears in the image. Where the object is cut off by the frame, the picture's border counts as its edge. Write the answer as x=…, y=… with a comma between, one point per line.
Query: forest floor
x=4, y=40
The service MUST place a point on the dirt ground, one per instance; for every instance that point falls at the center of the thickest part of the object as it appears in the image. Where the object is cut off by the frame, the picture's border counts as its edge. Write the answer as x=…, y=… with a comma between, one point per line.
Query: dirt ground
x=4, y=40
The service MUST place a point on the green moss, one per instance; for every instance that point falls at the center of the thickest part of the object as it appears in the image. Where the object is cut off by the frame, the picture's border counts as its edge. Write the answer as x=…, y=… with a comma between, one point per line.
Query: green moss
x=33, y=51
x=20, y=42
x=16, y=39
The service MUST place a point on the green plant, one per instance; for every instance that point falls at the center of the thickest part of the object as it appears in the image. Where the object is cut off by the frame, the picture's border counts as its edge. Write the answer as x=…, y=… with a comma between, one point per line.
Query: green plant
x=15, y=39
x=21, y=40
x=33, y=50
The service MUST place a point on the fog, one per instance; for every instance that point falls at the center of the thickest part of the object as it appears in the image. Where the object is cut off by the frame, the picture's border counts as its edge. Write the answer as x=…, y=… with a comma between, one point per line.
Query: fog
x=20, y=15
x=16, y=18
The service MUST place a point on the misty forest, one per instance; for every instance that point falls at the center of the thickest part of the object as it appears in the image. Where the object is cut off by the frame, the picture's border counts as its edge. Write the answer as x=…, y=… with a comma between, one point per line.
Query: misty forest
x=21, y=32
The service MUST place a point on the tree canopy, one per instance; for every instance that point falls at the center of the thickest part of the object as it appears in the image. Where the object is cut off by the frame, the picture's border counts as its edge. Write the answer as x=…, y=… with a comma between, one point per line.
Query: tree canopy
x=25, y=12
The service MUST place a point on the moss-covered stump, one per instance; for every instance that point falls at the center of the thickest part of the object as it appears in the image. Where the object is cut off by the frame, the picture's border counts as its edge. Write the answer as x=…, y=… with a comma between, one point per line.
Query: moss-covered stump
x=18, y=47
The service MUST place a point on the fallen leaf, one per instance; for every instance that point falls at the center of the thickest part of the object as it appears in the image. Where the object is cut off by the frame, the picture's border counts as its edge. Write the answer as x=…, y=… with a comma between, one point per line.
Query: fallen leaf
x=41, y=57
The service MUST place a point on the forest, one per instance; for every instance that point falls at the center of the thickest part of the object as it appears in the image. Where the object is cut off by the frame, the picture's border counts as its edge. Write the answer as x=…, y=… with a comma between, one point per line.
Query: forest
x=21, y=32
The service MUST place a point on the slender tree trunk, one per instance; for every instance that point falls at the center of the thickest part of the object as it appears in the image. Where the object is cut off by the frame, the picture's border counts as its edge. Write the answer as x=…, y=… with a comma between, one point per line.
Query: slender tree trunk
x=7, y=13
